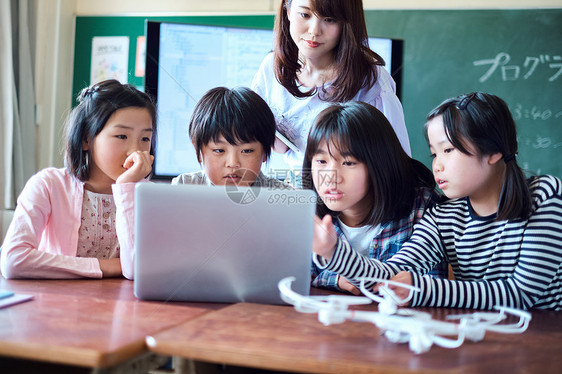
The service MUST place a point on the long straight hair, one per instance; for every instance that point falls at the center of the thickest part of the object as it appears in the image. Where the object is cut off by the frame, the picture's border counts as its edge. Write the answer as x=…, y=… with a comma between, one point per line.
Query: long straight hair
x=483, y=121
x=355, y=62
x=361, y=130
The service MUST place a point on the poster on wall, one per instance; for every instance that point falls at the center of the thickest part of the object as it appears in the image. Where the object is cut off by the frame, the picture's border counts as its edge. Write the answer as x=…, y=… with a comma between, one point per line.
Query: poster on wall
x=140, y=56
x=110, y=58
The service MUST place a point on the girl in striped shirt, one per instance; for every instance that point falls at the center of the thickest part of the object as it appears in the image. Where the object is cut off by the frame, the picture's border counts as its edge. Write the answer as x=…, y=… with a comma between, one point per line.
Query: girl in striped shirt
x=501, y=232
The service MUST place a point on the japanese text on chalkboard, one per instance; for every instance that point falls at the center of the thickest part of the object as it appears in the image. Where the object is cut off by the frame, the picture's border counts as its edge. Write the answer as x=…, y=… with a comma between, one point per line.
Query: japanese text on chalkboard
x=513, y=71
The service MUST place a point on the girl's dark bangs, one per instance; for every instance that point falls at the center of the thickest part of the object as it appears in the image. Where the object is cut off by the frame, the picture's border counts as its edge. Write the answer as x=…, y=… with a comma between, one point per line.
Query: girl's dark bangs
x=335, y=136
x=332, y=130
x=341, y=142
x=452, y=122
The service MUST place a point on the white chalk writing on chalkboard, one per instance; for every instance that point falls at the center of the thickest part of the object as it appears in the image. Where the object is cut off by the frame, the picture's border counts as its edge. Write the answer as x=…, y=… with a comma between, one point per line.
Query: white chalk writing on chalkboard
x=533, y=113
x=541, y=142
x=513, y=72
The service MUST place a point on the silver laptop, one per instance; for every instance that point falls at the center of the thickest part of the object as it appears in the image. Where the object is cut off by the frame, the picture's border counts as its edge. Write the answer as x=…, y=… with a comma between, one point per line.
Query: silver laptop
x=221, y=244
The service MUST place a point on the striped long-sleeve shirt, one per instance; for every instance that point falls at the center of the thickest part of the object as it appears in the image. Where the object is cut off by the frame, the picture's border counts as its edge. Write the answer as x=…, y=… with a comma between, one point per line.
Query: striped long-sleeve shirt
x=391, y=238
x=515, y=263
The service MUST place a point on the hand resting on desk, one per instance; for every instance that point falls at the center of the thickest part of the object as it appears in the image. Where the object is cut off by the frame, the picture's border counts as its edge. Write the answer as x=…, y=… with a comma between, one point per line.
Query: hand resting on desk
x=110, y=268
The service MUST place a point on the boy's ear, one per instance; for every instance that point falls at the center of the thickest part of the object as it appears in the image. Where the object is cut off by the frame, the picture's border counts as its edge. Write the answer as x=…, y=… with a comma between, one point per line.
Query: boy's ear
x=494, y=158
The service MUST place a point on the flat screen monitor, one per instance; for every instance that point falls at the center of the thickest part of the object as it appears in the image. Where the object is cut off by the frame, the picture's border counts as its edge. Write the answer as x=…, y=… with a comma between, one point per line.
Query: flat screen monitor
x=183, y=61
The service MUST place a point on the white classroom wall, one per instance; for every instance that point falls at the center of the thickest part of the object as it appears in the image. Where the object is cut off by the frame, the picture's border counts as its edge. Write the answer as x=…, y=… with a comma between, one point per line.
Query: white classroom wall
x=105, y=7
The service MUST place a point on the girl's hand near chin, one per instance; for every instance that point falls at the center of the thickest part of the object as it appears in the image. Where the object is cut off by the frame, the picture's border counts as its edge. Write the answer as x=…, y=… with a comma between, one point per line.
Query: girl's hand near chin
x=325, y=237
x=138, y=165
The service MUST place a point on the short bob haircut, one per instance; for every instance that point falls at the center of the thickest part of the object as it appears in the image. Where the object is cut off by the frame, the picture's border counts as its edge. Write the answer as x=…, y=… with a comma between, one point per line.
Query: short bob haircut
x=97, y=104
x=354, y=61
x=484, y=123
x=362, y=131
x=239, y=114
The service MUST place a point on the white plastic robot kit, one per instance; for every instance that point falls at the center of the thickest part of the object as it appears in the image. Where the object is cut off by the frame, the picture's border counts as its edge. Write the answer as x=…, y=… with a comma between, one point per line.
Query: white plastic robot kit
x=404, y=325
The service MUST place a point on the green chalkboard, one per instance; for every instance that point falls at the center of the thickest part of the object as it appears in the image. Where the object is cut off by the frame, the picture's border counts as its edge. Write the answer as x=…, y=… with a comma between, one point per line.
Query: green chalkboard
x=515, y=54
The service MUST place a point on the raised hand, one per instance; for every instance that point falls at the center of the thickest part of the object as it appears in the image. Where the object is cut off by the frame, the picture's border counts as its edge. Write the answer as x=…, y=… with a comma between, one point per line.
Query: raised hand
x=325, y=237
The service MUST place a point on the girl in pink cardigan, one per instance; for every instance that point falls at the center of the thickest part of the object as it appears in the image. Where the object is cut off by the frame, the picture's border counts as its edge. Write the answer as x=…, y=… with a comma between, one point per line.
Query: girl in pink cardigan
x=77, y=221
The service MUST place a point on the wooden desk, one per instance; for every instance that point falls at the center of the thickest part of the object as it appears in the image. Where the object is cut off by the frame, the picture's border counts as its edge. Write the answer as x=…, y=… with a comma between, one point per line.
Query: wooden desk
x=279, y=338
x=108, y=288
x=86, y=323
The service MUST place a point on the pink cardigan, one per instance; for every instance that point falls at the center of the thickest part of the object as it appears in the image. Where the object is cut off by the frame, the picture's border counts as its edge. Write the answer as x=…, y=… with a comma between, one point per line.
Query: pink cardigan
x=42, y=239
